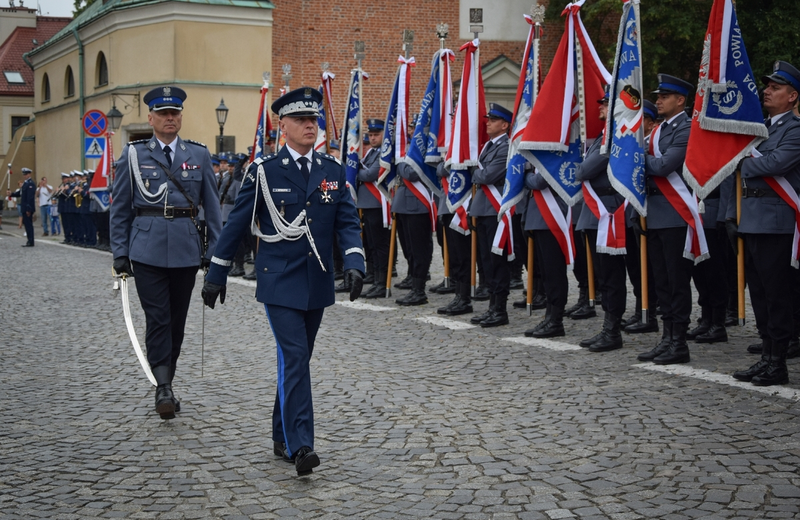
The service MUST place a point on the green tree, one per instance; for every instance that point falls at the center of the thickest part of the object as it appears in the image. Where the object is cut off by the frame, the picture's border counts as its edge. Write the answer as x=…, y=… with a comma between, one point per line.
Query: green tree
x=771, y=31
x=80, y=6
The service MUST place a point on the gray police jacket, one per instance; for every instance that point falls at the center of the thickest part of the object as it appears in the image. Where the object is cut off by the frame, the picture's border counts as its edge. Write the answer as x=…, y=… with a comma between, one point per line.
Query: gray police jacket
x=672, y=143
x=493, y=159
x=156, y=240
x=594, y=169
x=534, y=221
x=780, y=157
x=404, y=201
x=368, y=171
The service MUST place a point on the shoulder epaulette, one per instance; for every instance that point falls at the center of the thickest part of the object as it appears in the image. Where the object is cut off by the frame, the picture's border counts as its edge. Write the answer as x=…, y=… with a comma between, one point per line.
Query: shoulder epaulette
x=194, y=142
x=265, y=158
x=330, y=158
x=140, y=141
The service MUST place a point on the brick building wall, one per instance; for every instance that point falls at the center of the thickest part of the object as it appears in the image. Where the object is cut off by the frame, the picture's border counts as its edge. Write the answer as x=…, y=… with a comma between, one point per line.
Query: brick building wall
x=307, y=33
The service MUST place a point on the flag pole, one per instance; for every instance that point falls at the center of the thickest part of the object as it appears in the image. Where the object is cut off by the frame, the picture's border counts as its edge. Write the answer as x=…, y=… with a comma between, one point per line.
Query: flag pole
x=582, y=119
x=740, y=249
x=529, y=295
x=644, y=293
x=441, y=33
x=476, y=15
x=327, y=107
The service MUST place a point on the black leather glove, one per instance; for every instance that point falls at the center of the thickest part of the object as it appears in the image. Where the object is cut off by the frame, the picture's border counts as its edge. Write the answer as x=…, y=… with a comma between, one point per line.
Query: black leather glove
x=122, y=266
x=637, y=227
x=210, y=292
x=205, y=263
x=732, y=228
x=472, y=224
x=355, y=280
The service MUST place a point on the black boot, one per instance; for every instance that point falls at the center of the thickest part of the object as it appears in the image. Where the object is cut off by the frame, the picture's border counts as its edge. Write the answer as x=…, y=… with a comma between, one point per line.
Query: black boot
x=610, y=337
x=554, y=327
x=586, y=343
x=776, y=372
x=499, y=315
x=477, y=319
x=238, y=270
x=481, y=293
x=172, y=370
x=453, y=302
x=405, y=283
x=417, y=295
x=539, y=298
x=716, y=332
x=703, y=324
x=516, y=277
x=793, y=350
x=758, y=368
x=583, y=298
x=641, y=327
x=678, y=351
x=369, y=277
x=585, y=311
x=441, y=289
x=756, y=348
x=663, y=345
x=343, y=287
x=547, y=313
x=378, y=289
x=464, y=305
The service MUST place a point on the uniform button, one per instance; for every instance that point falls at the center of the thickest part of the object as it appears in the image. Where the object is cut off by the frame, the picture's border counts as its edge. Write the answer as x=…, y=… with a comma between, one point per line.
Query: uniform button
x=265, y=269
x=308, y=203
x=310, y=253
x=282, y=202
x=310, y=221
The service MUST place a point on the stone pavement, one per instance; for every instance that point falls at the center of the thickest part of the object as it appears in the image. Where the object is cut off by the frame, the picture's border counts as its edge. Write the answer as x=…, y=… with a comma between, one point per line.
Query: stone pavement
x=416, y=416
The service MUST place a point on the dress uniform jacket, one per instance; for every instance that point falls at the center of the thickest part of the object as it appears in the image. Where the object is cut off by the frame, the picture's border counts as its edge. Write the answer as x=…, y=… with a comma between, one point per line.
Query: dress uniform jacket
x=27, y=196
x=371, y=166
x=155, y=240
x=672, y=142
x=288, y=272
x=404, y=201
x=594, y=169
x=534, y=221
x=781, y=157
x=228, y=190
x=493, y=159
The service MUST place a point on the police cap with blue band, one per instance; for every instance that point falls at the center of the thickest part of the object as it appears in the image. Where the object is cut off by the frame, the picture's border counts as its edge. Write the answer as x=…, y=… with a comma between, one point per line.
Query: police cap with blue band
x=215, y=159
x=164, y=98
x=650, y=110
x=375, y=125
x=301, y=102
x=671, y=85
x=334, y=145
x=784, y=73
x=498, y=111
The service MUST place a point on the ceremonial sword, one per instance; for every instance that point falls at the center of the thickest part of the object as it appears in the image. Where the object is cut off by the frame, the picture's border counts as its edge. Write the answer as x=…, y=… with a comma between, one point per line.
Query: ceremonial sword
x=126, y=310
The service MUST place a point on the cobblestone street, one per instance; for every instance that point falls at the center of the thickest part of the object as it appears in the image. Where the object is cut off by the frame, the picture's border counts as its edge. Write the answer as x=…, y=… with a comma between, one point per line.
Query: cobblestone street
x=417, y=415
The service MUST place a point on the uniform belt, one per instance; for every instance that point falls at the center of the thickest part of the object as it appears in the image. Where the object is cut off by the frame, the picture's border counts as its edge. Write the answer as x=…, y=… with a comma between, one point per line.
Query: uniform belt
x=759, y=192
x=169, y=212
x=605, y=191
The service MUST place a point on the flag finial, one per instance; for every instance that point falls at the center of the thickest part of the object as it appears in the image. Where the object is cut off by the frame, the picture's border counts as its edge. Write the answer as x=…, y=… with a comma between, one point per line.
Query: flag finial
x=537, y=13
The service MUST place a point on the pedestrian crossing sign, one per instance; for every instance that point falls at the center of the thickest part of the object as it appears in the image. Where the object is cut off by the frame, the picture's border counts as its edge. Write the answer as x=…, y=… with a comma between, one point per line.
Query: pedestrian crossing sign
x=95, y=147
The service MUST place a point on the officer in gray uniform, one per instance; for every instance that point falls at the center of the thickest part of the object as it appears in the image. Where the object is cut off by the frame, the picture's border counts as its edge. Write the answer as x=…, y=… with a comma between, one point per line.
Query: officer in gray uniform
x=767, y=225
x=492, y=172
x=610, y=268
x=666, y=229
x=27, y=204
x=377, y=236
x=301, y=201
x=158, y=186
x=459, y=248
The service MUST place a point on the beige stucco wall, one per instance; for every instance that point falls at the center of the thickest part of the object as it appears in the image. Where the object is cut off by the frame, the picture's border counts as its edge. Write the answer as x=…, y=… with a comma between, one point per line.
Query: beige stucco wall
x=198, y=51
x=12, y=106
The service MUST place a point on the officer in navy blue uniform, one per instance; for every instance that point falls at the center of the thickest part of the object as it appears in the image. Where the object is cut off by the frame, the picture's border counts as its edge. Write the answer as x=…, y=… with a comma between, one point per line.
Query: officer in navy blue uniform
x=492, y=172
x=27, y=204
x=767, y=225
x=610, y=268
x=155, y=235
x=666, y=229
x=308, y=203
x=377, y=236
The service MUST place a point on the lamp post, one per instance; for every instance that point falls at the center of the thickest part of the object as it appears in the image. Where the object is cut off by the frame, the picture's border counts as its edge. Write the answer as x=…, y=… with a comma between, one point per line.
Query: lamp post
x=222, y=116
x=114, y=117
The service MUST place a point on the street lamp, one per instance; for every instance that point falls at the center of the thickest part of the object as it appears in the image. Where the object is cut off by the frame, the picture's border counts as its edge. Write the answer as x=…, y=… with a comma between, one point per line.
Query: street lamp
x=114, y=117
x=222, y=115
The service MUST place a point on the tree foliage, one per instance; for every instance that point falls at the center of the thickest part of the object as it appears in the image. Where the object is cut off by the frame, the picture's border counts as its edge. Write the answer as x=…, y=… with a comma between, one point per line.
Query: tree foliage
x=81, y=5
x=673, y=31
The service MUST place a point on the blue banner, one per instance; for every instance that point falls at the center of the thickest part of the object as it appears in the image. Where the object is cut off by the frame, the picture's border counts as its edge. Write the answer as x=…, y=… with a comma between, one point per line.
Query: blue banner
x=424, y=141
x=624, y=131
x=388, y=168
x=351, y=135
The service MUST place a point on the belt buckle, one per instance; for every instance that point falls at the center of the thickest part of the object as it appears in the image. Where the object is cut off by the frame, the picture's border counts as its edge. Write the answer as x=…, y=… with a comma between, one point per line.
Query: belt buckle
x=169, y=212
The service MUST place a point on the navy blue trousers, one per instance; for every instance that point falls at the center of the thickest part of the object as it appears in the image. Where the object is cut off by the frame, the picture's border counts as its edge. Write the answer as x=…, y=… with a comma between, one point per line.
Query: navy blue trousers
x=293, y=414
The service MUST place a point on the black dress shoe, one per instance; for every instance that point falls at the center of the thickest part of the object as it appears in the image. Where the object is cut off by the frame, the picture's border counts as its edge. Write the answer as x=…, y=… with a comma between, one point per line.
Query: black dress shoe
x=750, y=373
x=376, y=291
x=586, y=343
x=405, y=283
x=165, y=401
x=495, y=319
x=27, y=245
x=731, y=318
x=701, y=329
x=454, y=301
x=481, y=293
x=539, y=301
x=641, y=327
x=634, y=318
x=715, y=334
x=755, y=348
x=520, y=304
x=369, y=279
x=551, y=329
x=477, y=319
x=445, y=290
x=462, y=307
x=305, y=460
x=279, y=449
x=584, y=313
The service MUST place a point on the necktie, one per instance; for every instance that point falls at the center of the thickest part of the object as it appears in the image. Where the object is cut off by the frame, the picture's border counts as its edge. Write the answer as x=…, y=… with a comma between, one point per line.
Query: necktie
x=768, y=122
x=304, y=168
x=168, y=153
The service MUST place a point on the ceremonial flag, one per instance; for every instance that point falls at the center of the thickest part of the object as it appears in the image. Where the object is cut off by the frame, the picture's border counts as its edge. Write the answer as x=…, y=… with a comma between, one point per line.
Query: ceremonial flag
x=469, y=133
x=98, y=189
x=527, y=88
x=351, y=134
x=263, y=128
x=326, y=122
x=425, y=139
x=554, y=143
x=395, y=130
x=441, y=127
x=321, y=144
x=727, y=117
x=624, y=131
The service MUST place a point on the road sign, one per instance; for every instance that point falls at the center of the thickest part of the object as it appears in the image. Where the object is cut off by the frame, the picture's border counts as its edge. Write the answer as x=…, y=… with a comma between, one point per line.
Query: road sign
x=95, y=123
x=94, y=147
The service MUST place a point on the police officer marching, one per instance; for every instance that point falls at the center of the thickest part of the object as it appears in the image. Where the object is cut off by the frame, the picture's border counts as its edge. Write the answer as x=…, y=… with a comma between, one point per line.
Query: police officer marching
x=158, y=187
x=301, y=201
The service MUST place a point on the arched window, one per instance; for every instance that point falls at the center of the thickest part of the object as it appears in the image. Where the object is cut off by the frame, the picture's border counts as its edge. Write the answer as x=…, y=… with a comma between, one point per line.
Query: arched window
x=45, y=88
x=69, y=83
x=101, y=70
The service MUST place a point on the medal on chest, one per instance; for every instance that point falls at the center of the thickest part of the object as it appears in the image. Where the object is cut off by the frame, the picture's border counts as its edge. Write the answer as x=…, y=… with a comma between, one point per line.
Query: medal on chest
x=326, y=197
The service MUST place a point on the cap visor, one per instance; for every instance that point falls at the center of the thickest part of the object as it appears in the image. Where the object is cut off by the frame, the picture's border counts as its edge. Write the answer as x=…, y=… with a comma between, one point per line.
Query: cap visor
x=166, y=107
x=775, y=78
x=303, y=113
